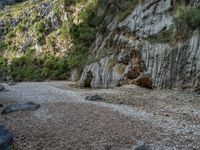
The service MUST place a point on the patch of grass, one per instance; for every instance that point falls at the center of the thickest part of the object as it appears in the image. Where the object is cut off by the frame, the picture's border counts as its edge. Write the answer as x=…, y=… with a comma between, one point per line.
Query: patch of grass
x=164, y=36
x=187, y=18
x=3, y=46
x=127, y=9
x=111, y=63
x=3, y=68
x=39, y=30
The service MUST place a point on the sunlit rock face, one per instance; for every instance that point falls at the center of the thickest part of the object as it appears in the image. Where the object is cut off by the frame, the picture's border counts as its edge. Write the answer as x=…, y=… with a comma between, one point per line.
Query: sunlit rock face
x=174, y=66
x=149, y=18
x=165, y=65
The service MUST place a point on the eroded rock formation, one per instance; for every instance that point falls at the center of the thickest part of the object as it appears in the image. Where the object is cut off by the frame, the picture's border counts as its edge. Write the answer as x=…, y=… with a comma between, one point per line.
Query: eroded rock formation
x=139, y=61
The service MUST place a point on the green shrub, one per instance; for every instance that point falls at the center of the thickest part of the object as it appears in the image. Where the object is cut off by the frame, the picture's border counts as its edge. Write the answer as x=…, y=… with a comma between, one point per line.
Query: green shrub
x=25, y=69
x=39, y=29
x=3, y=68
x=164, y=36
x=111, y=63
x=125, y=11
x=187, y=18
x=3, y=46
x=54, y=67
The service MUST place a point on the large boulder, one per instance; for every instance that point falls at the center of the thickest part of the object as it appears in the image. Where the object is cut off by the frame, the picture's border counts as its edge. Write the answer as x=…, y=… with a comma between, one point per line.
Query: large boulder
x=143, y=80
x=6, y=138
x=20, y=107
x=140, y=145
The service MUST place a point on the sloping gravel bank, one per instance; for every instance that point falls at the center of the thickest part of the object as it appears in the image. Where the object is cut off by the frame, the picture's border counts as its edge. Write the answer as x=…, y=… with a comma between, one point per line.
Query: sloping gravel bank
x=163, y=119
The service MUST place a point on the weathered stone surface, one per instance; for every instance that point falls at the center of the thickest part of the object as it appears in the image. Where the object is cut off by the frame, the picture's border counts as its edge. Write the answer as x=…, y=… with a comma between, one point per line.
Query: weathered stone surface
x=20, y=107
x=172, y=67
x=167, y=65
x=102, y=75
x=150, y=17
x=75, y=75
x=6, y=138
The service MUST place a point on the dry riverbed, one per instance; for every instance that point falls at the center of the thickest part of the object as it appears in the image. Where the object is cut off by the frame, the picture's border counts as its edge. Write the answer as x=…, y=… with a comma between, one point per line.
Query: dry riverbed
x=163, y=119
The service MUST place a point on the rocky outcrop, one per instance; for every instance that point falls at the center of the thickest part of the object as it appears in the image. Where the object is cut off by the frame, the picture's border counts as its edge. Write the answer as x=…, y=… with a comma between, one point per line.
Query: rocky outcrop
x=149, y=18
x=174, y=66
x=127, y=65
x=142, y=62
x=27, y=23
x=122, y=68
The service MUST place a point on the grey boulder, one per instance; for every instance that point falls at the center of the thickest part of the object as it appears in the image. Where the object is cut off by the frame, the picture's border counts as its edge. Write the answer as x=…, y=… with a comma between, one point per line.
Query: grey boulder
x=6, y=138
x=140, y=145
x=93, y=98
x=20, y=107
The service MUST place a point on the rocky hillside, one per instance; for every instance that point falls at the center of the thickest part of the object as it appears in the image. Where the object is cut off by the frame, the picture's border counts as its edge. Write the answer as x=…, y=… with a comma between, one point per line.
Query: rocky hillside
x=151, y=43
x=156, y=45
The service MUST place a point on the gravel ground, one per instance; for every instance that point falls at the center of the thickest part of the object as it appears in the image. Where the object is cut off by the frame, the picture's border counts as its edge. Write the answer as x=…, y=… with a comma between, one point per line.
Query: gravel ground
x=162, y=119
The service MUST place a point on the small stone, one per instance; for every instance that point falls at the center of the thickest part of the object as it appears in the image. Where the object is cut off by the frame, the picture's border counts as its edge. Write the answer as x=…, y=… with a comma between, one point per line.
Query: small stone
x=166, y=115
x=93, y=98
x=20, y=107
x=1, y=105
x=184, y=114
x=140, y=146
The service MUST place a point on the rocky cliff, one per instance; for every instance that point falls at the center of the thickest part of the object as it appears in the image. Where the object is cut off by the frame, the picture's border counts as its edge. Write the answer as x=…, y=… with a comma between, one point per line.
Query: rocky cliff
x=145, y=50
x=150, y=43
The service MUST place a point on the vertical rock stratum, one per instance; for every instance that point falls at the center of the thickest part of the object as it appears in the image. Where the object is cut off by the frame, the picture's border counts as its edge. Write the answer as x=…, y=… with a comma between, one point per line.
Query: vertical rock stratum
x=143, y=49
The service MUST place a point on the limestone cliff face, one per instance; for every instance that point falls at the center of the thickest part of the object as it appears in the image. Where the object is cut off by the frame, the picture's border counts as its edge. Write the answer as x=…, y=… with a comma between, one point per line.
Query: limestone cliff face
x=123, y=42
x=19, y=27
x=135, y=59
